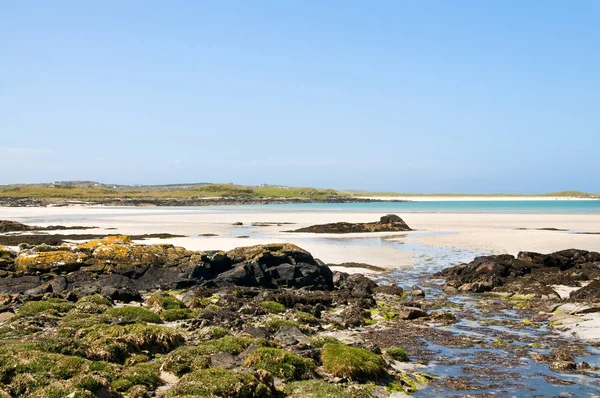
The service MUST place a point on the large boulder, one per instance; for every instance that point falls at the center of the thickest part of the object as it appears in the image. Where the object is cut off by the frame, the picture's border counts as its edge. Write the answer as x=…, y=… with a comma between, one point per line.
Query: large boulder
x=275, y=265
x=387, y=223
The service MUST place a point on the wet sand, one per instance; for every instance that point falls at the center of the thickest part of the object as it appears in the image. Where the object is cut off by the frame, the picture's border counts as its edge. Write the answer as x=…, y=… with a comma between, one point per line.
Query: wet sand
x=498, y=233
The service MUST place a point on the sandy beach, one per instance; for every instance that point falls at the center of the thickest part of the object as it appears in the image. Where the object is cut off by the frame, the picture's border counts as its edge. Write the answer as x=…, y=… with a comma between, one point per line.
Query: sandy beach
x=497, y=233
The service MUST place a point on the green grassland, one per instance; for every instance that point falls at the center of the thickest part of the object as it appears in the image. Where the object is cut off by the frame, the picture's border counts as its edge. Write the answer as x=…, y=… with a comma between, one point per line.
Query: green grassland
x=40, y=191
x=86, y=190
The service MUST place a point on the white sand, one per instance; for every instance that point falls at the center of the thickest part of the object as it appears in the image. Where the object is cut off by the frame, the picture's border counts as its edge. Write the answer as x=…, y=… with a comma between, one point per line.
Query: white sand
x=495, y=232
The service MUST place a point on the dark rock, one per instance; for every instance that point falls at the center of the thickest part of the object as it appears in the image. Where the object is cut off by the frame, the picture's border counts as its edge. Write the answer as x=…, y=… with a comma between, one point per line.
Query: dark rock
x=359, y=286
x=275, y=265
x=290, y=335
x=125, y=295
x=354, y=316
x=412, y=313
x=223, y=360
x=388, y=223
x=530, y=273
x=589, y=293
x=416, y=291
x=58, y=284
x=13, y=226
x=19, y=284
x=256, y=331
x=339, y=278
x=7, y=258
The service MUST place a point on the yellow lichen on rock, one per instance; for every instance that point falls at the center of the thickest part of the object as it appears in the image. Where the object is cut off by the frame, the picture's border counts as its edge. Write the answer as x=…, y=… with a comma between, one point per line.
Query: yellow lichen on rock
x=140, y=254
x=109, y=240
x=50, y=261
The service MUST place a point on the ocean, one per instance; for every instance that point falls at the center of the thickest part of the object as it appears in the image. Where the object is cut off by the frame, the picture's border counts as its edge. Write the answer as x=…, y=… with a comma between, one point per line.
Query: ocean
x=474, y=206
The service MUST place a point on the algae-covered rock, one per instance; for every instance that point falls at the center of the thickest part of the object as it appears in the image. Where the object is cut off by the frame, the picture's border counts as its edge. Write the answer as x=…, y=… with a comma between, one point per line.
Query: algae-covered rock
x=218, y=382
x=56, y=261
x=32, y=308
x=280, y=363
x=7, y=258
x=109, y=240
x=316, y=389
x=353, y=363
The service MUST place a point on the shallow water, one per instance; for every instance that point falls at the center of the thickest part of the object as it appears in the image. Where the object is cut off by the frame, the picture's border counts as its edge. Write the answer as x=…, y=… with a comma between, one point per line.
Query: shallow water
x=508, y=373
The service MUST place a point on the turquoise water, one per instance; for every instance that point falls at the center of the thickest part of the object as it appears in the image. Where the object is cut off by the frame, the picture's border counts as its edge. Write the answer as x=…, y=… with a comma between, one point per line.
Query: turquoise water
x=491, y=206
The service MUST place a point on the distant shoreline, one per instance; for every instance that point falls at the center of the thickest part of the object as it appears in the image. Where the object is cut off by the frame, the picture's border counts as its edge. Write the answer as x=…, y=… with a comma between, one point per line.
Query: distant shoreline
x=175, y=202
x=224, y=201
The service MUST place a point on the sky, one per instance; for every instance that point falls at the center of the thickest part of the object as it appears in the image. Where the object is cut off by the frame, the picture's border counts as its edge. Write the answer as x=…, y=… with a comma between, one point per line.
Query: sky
x=405, y=96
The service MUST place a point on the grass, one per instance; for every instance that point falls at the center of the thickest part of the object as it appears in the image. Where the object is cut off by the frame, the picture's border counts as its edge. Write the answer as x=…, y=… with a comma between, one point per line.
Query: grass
x=273, y=307
x=159, y=302
x=40, y=191
x=315, y=389
x=32, y=308
x=398, y=354
x=320, y=341
x=138, y=375
x=280, y=363
x=218, y=382
x=356, y=364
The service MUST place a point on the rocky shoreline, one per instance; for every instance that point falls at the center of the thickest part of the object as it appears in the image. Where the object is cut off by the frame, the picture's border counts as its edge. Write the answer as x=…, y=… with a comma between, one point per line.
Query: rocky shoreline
x=56, y=202
x=110, y=318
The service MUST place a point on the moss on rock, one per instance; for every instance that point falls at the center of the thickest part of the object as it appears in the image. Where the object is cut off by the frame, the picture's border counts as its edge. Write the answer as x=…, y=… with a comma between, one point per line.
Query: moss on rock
x=138, y=375
x=315, y=389
x=218, y=382
x=273, y=307
x=158, y=302
x=32, y=308
x=356, y=364
x=280, y=363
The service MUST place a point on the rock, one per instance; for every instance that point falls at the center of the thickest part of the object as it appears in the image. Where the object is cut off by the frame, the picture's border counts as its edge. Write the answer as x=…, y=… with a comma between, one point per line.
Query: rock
x=358, y=286
x=238, y=223
x=416, y=291
x=58, y=284
x=410, y=313
x=13, y=226
x=19, y=284
x=589, y=293
x=44, y=262
x=388, y=223
x=529, y=273
x=223, y=360
x=354, y=316
x=7, y=258
x=392, y=290
x=275, y=265
x=291, y=335
x=339, y=278
x=256, y=332
x=125, y=295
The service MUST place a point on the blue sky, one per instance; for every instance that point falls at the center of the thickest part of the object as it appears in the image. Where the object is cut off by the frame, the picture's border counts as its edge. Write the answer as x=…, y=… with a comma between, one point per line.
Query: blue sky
x=406, y=96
